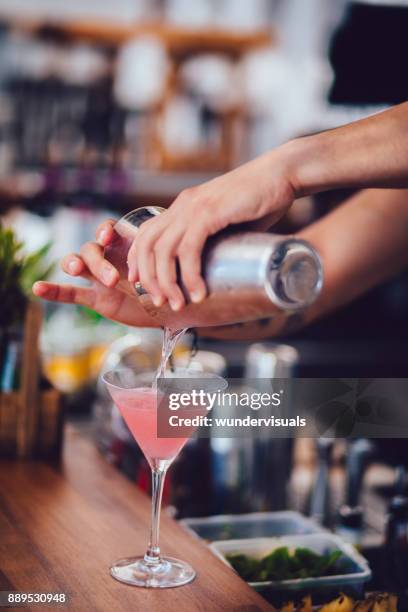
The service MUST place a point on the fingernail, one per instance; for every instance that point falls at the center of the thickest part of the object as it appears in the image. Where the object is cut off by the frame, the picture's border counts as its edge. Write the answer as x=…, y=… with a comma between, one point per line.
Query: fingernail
x=73, y=266
x=103, y=235
x=39, y=289
x=197, y=296
x=175, y=305
x=108, y=274
x=157, y=301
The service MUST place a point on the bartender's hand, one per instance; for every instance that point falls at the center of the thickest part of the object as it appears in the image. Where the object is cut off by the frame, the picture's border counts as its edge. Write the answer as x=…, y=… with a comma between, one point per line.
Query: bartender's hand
x=258, y=190
x=372, y=152
x=102, y=294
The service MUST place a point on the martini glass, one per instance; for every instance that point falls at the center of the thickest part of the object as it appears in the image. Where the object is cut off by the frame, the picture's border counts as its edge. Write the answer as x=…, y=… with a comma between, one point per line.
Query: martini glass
x=138, y=401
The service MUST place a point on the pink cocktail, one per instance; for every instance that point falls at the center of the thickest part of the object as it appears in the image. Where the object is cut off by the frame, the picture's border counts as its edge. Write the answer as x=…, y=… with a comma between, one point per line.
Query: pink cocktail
x=139, y=405
x=139, y=409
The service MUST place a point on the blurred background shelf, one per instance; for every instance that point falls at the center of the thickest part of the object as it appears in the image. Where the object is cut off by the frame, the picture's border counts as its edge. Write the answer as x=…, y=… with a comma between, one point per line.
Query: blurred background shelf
x=179, y=41
x=111, y=50
x=137, y=187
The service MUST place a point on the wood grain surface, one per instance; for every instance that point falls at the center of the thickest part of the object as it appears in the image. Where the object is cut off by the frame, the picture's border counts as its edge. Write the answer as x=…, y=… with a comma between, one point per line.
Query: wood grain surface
x=61, y=527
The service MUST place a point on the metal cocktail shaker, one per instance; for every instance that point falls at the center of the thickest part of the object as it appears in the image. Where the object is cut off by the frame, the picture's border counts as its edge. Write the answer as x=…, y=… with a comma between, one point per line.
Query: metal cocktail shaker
x=248, y=275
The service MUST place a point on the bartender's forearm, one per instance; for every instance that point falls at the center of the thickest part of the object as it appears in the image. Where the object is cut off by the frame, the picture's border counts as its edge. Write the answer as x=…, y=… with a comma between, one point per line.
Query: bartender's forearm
x=372, y=152
x=362, y=243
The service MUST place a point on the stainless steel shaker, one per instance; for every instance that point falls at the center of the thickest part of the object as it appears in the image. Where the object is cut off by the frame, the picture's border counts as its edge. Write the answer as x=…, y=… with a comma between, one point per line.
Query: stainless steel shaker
x=246, y=273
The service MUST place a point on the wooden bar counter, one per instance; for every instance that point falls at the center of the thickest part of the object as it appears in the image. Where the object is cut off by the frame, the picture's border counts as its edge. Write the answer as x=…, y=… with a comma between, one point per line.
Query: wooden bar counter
x=61, y=527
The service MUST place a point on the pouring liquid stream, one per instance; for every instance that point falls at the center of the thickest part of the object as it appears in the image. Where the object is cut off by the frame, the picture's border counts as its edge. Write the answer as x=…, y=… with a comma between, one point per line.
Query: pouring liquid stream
x=170, y=339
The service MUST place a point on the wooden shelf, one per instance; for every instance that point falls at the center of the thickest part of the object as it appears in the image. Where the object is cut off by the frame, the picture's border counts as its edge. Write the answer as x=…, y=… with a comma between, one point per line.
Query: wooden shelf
x=178, y=40
x=143, y=186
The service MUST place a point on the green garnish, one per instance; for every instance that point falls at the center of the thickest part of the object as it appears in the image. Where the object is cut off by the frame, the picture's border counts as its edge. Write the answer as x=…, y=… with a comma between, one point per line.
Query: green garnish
x=284, y=564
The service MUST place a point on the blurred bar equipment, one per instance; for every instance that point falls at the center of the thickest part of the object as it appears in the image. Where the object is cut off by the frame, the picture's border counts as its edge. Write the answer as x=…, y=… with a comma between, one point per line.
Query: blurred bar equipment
x=270, y=458
x=251, y=474
x=396, y=548
x=351, y=513
x=193, y=475
x=271, y=360
x=320, y=495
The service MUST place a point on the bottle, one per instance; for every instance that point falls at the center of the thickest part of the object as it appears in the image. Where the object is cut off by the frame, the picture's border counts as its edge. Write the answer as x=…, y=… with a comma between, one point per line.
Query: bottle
x=396, y=541
x=245, y=273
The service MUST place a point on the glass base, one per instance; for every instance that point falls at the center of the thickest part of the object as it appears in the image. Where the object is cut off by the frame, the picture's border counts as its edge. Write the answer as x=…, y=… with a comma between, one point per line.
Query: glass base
x=166, y=574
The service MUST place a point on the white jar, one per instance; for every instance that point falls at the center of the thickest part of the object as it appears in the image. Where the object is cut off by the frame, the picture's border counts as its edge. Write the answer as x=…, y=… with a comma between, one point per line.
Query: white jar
x=244, y=14
x=141, y=73
x=196, y=14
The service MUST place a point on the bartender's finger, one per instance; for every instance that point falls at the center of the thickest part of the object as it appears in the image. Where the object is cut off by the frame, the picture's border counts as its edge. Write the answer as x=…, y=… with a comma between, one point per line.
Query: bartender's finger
x=144, y=241
x=65, y=294
x=166, y=268
x=141, y=262
x=105, y=232
x=102, y=270
x=73, y=265
x=147, y=277
x=189, y=256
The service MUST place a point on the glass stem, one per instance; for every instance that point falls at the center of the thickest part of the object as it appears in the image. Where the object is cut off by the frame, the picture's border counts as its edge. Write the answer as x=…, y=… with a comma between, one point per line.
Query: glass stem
x=152, y=555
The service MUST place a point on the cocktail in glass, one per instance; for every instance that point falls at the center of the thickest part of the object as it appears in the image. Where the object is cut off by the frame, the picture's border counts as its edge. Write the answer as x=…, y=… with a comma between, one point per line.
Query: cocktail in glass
x=138, y=403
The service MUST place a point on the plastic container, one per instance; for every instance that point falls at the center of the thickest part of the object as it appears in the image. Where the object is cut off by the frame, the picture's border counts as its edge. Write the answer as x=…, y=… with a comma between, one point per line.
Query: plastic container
x=254, y=525
x=322, y=588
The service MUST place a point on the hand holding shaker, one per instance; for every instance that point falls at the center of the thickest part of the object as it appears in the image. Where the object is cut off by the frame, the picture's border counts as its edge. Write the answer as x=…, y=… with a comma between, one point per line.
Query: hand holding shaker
x=248, y=276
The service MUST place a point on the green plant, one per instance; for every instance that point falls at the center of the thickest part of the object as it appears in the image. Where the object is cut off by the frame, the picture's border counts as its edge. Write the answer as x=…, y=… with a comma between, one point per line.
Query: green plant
x=285, y=564
x=18, y=272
